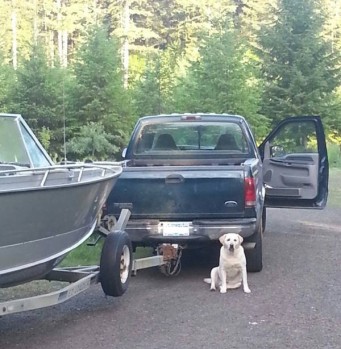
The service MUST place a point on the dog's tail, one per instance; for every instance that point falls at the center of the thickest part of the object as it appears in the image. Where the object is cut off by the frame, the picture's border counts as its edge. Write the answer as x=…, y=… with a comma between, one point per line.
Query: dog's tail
x=207, y=280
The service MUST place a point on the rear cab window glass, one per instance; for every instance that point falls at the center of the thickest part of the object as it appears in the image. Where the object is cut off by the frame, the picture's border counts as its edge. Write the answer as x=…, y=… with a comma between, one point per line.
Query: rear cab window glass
x=192, y=138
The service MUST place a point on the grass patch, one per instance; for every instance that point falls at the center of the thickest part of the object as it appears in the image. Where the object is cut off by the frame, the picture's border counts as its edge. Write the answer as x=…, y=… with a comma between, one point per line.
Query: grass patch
x=334, y=155
x=334, y=198
x=91, y=255
x=84, y=255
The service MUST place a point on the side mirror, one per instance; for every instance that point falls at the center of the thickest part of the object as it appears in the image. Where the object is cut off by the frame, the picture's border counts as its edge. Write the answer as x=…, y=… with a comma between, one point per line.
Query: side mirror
x=124, y=153
x=277, y=151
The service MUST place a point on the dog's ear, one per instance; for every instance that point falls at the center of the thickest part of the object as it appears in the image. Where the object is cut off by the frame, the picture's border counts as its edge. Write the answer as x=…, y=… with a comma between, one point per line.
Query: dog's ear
x=240, y=239
x=222, y=239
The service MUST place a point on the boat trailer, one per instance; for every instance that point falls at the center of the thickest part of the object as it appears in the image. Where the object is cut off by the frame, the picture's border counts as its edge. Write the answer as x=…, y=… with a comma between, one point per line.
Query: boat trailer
x=116, y=267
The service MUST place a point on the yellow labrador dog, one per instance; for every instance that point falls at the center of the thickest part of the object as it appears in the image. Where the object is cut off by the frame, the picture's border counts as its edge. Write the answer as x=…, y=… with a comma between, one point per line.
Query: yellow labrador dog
x=231, y=272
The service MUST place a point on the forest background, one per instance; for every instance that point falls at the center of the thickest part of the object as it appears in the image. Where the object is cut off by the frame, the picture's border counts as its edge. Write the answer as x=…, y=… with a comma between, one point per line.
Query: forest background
x=92, y=67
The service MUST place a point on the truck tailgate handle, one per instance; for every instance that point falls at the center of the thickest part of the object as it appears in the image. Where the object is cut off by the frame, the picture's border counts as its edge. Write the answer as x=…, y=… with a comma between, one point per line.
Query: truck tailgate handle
x=174, y=179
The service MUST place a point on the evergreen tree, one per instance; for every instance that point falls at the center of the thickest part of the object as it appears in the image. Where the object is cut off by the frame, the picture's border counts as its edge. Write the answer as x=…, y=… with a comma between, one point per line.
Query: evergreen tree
x=147, y=97
x=224, y=80
x=38, y=96
x=153, y=92
x=98, y=94
x=92, y=142
x=300, y=69
x=6, y=85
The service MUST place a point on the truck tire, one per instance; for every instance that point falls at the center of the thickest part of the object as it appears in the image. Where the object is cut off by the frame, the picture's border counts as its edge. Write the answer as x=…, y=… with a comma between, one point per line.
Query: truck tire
x=264, y=219
x=254, y=257
x=116, y=263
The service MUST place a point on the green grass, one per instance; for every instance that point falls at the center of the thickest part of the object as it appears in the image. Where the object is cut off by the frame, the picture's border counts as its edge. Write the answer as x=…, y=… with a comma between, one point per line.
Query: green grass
x=90, y=255
x=334, y=155
x=334, y=199
x=84, y=255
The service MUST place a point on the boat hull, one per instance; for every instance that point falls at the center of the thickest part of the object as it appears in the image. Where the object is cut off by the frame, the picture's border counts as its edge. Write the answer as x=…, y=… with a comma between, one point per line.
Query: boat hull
x=40, y=224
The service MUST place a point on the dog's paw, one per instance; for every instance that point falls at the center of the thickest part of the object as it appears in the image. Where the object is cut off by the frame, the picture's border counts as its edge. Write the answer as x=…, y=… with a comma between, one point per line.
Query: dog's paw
x=247, y=290
x=222, y=290
x=212, y=289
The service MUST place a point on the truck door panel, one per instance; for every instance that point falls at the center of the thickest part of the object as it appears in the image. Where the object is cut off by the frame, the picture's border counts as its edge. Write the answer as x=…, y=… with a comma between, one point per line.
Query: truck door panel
x=295, y=164
x=292, y=175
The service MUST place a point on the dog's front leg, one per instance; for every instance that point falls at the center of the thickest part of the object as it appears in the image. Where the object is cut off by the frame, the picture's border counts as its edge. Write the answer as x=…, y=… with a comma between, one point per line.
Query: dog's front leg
x=222, y=275
x=214, y=278
x=245, y=284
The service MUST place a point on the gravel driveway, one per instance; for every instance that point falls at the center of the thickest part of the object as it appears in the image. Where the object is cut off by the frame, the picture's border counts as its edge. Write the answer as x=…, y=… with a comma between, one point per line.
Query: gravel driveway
x=295, y=301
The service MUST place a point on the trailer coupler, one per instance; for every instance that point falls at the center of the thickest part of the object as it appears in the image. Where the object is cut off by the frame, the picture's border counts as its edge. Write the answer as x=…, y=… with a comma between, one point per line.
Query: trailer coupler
x=171, y=258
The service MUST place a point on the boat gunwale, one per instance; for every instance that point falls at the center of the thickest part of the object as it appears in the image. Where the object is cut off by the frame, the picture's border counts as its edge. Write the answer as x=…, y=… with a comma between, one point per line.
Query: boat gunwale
x=109, y=171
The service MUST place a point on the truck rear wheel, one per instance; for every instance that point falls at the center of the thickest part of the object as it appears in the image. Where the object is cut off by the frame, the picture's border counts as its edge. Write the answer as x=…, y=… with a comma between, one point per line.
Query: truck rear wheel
x=116, y=264
x=264, y=219
x=254, y=257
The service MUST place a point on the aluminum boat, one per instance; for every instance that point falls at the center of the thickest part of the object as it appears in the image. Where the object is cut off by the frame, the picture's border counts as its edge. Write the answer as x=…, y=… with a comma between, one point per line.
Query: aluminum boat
x=46, y=210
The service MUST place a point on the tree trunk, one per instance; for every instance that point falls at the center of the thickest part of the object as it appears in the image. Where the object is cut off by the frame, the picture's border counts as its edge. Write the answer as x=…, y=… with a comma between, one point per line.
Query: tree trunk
x=59, y=30
x=35, y=24
x=14, y=35
x=65, y=38
x=51, y=46
x=125, y=48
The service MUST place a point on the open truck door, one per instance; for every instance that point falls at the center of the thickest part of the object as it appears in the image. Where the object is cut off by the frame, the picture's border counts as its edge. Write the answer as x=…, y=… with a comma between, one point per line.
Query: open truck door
x=295, y=164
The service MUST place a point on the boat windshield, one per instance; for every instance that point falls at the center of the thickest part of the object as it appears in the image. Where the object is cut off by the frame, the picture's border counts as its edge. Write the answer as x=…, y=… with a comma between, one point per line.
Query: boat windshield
x=17, y=146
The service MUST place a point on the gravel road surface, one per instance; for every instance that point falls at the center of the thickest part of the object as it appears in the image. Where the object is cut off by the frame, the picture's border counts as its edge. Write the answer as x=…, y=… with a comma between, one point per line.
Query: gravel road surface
x=295, y=301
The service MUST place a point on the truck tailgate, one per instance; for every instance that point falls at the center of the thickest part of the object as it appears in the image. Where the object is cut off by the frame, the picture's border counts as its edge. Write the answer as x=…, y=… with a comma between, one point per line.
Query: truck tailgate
x=179, y=192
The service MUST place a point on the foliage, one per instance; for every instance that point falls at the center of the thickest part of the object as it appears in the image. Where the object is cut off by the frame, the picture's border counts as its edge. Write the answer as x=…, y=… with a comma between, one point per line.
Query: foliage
x=6, y=85
x=334, y=155
x=45, y=137
x=92, y=142
x=38, y=96
x=152, y=93
x=299, y=67
x=182, y=55
x=224, y=79
x=97, y=93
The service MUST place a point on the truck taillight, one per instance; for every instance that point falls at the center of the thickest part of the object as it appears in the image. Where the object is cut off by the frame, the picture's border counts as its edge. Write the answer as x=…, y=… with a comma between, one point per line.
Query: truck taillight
x=249, y=192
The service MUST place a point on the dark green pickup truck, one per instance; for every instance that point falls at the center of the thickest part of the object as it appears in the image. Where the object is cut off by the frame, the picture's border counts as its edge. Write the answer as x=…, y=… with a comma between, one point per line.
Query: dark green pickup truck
x=189, y=178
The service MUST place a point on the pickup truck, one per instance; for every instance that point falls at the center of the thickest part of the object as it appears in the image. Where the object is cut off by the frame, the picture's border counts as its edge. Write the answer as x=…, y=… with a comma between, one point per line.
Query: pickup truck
x=189, y=178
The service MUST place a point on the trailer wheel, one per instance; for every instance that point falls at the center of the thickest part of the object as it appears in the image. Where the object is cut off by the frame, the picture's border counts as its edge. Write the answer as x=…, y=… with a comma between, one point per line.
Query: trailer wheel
x=116, y=263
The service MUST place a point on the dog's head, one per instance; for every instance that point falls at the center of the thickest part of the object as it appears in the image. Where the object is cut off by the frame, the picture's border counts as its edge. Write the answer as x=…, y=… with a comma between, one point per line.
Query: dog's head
x=231, y=241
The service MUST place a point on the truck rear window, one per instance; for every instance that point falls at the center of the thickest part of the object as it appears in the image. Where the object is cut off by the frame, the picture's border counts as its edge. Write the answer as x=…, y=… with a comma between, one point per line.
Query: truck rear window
x=187, y=137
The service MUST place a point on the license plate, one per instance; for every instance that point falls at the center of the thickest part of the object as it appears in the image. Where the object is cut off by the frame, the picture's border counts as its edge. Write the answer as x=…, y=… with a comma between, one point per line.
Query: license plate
x=175, y=228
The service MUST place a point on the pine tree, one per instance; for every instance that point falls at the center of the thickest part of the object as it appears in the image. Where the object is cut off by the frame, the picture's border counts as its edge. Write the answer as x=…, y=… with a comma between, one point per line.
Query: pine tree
x=7, y=83
x=300, y=69
x=98, y=94
x=38, y=96
x=92, y=142
x=153, y=92
x=224, y=80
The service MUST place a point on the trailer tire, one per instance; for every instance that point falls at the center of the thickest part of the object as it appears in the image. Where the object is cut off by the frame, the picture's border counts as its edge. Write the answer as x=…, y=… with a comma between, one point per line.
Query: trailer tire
x=116, y=263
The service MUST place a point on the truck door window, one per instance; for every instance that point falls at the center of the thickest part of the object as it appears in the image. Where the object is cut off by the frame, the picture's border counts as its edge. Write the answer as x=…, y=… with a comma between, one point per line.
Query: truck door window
x=294, y=138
